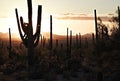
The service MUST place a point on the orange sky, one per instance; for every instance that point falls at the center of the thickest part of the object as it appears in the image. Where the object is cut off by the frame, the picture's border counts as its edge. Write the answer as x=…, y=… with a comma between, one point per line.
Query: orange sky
x=78, y=16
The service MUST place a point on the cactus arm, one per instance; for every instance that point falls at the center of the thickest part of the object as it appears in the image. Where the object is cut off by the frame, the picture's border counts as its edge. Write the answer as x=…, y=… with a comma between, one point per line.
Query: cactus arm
x=38, y=27
x=30, y=17
x=39, y=19
x=36, y=41
x=22, y=25
x=21, y=35
x=24, y=28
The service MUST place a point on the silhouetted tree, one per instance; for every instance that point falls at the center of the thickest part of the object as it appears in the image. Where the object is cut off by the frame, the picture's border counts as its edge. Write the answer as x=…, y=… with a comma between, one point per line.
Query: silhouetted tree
x=115, y=31
x=102, y=30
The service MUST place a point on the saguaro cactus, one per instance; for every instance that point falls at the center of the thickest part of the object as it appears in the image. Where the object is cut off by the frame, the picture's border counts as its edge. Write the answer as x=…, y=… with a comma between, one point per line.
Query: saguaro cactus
x=67, y=43
x=86, y=42
x=44, y=40
x=1, y=45
x=29, y=39
x=93, y=40
x=56, y=43
x=77, y=41
x=50, y=32
x=96, y=28
x=70, y=41
x=80, y=40
x=10, y=45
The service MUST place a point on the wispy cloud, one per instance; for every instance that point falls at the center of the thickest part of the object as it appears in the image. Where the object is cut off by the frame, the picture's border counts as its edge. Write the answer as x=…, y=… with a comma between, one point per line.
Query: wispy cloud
x=72, y=16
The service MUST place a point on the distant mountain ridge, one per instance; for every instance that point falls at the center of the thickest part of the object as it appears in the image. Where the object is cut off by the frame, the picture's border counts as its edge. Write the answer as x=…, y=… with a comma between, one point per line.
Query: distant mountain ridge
x=6, y=36
x=55, y=36
x=45, y=34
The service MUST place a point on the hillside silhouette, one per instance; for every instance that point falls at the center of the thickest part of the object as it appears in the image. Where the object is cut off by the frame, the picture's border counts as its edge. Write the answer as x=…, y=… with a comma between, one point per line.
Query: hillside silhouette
x=45, y=34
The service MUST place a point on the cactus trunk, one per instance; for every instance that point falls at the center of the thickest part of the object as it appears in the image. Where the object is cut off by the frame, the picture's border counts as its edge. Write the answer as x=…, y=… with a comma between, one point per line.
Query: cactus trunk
x=1, y=45
x=56, y=43
x=10, y=45
x=67, y=44
x=44, y=39
x=80, y=40
x=51, y=32
x=93, y=40
x=70, y=42
x=77, y=41
x=96, y=28
x=86, y=42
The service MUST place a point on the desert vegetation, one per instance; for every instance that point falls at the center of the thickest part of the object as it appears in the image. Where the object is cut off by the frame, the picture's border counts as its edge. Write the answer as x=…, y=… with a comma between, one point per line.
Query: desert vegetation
x=72, y=57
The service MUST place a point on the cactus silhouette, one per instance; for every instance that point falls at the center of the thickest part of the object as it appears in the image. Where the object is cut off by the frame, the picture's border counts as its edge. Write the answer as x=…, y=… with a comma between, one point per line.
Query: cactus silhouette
x=51, y=32
x=10, y=45
x=29, y=39
x=67, y=43
x=61, y=46
x=80, y=40
x=1, y=45
x=96, y=28
x=44, y=40
x=56, y=43
x=77, y=41
x=86, y=42
x=70, y=42
x=93, y=40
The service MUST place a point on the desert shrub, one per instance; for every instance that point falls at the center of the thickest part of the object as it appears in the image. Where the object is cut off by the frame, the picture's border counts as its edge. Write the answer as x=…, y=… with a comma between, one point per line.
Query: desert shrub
x=3, y=56
x=9, y=69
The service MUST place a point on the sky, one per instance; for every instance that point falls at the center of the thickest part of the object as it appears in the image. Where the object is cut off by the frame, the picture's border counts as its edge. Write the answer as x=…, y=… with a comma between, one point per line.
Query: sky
x=77, y=15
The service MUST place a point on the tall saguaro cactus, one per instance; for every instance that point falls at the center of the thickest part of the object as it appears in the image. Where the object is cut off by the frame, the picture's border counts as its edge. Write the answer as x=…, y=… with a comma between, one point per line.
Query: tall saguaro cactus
x=70, y=42
x=29, y=39
x=77, y=41
x=96, y=28
x=44, y=39
x=80, y=40
x=56, y=43
x=93, y=40
x=67, y=43
x=10, y=45
x=1, y=45
x=50, y=32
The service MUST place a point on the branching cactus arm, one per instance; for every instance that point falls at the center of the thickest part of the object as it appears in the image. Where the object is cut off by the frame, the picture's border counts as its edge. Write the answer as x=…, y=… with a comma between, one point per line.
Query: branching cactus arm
x=19, y=28
x=38, y=27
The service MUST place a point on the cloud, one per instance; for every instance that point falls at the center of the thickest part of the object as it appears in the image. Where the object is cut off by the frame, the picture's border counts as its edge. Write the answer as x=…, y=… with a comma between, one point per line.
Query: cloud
x=72, y=16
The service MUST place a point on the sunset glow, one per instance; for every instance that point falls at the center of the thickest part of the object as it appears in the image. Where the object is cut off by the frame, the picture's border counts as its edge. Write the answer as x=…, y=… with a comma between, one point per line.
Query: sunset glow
x=78, y=17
